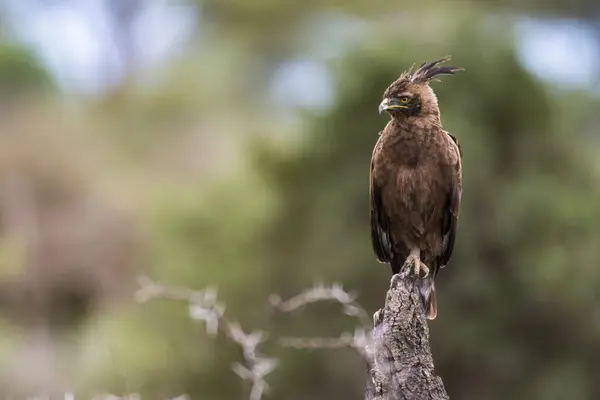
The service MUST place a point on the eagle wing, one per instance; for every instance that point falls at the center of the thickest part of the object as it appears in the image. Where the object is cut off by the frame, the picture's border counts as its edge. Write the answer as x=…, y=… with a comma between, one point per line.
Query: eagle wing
x=453, y=204
x=380, y=226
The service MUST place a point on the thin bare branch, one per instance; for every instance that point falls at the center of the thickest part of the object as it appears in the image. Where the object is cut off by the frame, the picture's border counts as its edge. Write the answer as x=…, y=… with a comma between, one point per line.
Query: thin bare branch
x=319, y=293
x=204, y=306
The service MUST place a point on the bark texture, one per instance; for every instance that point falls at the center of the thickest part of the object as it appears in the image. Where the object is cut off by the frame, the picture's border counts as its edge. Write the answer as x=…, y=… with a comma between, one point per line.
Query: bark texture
x=400, y=362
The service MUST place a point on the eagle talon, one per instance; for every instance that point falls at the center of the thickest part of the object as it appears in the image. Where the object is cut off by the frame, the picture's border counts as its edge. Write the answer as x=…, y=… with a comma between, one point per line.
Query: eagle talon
x=413, y=263
x=425, y=270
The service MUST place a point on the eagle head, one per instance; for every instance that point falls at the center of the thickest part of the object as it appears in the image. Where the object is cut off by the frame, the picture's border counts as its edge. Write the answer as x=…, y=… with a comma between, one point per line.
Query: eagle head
x=410, y=95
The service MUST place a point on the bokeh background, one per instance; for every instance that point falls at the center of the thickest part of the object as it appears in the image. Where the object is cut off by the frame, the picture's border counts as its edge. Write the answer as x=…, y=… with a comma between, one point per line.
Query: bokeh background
x=226, y=143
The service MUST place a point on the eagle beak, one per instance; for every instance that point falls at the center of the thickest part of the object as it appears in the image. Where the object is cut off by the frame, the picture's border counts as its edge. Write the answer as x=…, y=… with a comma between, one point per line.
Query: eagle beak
x=390, y=104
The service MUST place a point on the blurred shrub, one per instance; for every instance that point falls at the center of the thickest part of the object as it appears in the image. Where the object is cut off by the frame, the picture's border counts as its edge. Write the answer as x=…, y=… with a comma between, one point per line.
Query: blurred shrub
x=69, y=250
x=21, y=72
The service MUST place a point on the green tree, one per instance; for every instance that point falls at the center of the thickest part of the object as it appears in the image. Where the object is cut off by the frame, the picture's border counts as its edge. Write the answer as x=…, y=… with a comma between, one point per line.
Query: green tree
x=21, y=71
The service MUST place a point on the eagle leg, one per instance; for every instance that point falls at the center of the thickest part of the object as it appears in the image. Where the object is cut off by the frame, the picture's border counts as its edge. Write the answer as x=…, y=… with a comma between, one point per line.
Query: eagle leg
x=413, y=262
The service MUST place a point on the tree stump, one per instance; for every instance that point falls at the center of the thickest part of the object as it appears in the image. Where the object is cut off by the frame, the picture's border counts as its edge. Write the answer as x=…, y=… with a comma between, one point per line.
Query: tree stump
x=400, y=362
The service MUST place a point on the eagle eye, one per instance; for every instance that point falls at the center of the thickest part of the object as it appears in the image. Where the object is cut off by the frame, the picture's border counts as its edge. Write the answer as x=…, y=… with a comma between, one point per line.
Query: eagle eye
x=404, y=99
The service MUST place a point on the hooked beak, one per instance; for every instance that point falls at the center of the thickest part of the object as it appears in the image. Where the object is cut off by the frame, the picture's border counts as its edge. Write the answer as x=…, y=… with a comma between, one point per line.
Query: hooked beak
x=390, y=104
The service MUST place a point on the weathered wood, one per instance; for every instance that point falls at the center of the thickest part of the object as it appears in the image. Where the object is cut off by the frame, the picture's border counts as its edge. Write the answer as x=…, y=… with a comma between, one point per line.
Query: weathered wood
x=400, y=362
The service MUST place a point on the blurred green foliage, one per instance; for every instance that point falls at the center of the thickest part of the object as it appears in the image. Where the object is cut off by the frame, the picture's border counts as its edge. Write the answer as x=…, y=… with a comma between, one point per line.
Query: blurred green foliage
x=275, y=212
x=21, y=71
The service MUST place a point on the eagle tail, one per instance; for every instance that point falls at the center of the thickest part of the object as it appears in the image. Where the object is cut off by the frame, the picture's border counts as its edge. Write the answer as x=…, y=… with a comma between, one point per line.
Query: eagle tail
x=427, y=290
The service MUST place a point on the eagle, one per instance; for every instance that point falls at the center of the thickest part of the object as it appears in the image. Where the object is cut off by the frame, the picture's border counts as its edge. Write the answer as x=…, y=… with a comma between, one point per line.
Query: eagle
x=415, y=182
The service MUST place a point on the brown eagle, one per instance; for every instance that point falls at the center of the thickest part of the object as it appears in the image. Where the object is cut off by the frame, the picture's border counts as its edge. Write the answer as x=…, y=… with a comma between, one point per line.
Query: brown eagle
x=415, y=181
